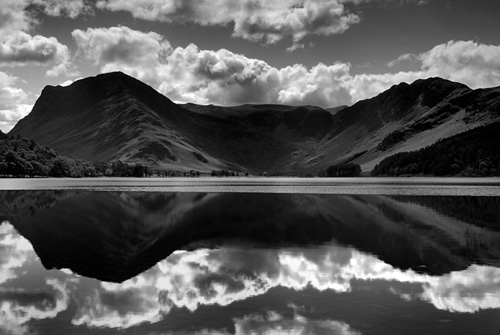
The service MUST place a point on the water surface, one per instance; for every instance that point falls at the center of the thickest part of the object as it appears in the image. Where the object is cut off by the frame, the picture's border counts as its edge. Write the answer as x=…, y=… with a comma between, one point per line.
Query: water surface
x=387, y=186
x=81, y=261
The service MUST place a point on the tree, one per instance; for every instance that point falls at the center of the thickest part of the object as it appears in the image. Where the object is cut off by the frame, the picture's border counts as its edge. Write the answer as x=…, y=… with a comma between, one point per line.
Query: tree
x=344, y=170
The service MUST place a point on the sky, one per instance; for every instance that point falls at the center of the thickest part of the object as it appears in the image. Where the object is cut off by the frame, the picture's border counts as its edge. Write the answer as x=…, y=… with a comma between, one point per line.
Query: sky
x=230, y=52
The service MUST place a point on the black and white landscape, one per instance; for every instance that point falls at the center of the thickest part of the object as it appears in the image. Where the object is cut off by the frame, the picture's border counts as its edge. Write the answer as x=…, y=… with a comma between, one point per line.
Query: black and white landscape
x=249, y=167
x=114, y=117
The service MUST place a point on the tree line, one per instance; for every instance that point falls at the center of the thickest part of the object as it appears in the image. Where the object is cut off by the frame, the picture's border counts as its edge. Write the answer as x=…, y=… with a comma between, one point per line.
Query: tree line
x=21, y=157
x=474, y=153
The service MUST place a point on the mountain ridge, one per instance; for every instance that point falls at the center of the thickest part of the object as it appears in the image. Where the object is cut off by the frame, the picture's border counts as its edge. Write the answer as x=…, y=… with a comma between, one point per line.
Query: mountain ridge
x=116, y=117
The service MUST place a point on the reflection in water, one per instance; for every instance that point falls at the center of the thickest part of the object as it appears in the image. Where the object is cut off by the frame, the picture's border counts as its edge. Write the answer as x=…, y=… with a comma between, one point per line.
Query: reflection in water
x=17, y=305
x=226, y=263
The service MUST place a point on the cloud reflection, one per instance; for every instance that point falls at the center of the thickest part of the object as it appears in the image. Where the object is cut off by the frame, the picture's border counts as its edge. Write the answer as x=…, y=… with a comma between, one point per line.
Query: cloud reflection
x=275, y=323
x=466, y=291
x=14, y=252
x=190, y=279
x=203, y=277
x=17, y=308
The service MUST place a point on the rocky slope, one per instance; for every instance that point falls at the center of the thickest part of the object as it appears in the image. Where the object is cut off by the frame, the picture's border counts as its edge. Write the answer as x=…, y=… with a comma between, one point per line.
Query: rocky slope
x=113, y=116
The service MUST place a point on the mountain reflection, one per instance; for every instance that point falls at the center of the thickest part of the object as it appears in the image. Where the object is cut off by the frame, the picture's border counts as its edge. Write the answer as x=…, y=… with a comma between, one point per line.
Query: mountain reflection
x=115, y=236
x=158, y=254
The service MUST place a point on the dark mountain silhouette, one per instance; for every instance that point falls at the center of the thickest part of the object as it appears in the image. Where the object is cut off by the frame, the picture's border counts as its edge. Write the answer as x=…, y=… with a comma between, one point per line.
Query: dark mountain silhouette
x=2, y=135
x=116, y=117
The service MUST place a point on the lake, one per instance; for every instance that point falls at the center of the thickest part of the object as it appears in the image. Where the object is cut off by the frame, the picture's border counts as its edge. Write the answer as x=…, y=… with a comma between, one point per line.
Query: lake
x=250, y=256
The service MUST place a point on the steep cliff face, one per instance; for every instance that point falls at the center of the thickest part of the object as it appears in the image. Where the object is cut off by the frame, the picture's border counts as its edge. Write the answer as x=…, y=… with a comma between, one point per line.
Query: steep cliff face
x=113, y=116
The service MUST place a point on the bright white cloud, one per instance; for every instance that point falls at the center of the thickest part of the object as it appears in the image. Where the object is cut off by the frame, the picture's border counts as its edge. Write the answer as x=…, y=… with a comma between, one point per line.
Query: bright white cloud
x=476, y=65
x=364, y=86
x=21, y=48
x=18, y=47
x=13, y=102
x=254, y=20
x=205, y=76
x=137, y=53
x=120, y=45
x=188, y=74
x=13, y=17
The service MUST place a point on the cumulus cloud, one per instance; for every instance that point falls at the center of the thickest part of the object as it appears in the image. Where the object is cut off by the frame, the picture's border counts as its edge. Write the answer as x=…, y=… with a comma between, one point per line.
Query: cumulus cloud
x=254, y=20
x=364, y=86
x=120, y=45
x=69, y=8
x=189, y=74
x=22, y=48
x=474, y=64
x=141, y=54
x=18, y=47
x=13, y=102
x=15, y=15
x=206, y=76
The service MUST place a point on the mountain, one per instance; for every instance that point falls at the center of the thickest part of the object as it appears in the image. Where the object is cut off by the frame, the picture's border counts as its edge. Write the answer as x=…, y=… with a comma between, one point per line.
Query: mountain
x=2, y=135
x=116, y=117
x=406, y=117
x=474, y=153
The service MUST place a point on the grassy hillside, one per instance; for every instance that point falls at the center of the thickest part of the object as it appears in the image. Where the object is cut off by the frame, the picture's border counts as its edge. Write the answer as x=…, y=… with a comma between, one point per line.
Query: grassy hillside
x=472, y=153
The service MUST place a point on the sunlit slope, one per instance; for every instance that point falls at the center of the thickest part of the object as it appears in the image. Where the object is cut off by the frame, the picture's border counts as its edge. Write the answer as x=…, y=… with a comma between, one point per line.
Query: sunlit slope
x=405, y=117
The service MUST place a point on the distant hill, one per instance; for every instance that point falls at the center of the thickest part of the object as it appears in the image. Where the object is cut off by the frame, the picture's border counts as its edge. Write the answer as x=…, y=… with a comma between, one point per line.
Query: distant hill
x=2, y=135
x=335, y=110
x=116, y=117
x=472, y=153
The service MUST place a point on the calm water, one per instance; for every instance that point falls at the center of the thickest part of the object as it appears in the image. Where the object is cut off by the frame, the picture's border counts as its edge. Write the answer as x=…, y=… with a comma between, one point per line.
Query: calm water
x=113, y=257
